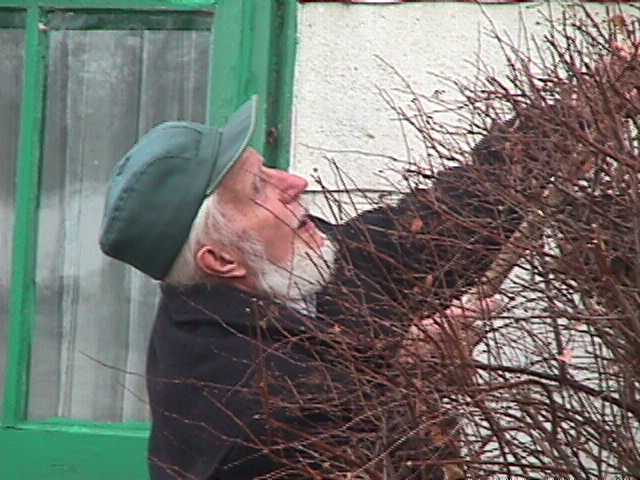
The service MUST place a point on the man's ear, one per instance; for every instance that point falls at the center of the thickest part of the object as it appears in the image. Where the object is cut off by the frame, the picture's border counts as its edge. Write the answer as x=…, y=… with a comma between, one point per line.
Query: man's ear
x=218, y=262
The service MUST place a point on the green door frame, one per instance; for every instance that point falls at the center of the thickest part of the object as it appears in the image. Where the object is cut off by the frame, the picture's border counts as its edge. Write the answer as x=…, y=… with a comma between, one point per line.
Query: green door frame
x=256, y=55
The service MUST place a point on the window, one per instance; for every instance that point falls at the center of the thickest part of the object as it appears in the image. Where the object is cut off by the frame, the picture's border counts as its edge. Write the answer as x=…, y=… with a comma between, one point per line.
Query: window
x=11, y=67
x=74, y=324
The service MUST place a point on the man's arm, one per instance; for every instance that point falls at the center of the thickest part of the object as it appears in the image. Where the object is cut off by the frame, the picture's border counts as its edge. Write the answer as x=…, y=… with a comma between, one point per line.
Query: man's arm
x=438, y=241
x=435, y=242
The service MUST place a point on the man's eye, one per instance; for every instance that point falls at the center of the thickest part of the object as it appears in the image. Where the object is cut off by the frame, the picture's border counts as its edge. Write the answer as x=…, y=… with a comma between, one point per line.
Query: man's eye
x=257, y=186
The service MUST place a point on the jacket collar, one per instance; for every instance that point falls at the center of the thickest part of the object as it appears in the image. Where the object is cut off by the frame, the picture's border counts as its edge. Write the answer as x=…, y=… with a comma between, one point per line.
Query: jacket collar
x=230, y=306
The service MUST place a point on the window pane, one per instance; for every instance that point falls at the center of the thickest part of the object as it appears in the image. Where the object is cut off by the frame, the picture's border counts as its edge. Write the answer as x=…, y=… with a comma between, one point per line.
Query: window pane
x=105, y=89
x=11, y=70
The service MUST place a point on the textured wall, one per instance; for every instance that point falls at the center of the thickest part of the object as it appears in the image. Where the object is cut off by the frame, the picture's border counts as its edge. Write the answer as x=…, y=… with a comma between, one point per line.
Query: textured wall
x=339, y=74
x=340, y=70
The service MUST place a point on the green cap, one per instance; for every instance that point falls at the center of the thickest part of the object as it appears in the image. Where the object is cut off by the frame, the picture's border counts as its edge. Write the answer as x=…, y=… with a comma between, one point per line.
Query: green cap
x=158, y=187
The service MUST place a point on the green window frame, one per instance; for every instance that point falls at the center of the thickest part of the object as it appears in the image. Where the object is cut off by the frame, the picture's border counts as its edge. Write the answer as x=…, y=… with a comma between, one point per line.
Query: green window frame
x=253, y=52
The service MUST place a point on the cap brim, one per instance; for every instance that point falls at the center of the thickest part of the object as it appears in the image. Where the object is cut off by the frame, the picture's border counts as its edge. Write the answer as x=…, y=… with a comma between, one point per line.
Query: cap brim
x=234, y=139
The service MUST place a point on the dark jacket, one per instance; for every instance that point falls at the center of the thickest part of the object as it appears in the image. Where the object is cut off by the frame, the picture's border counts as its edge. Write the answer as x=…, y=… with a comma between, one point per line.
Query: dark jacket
x=210, y=343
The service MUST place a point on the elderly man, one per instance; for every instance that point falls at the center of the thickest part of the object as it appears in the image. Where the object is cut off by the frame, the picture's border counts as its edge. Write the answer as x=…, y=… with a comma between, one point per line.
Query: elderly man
x=243, y=266
x=260, y=300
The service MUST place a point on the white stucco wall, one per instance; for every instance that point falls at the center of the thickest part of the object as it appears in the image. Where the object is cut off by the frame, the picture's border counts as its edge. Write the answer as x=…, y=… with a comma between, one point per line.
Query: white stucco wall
x=340, y=69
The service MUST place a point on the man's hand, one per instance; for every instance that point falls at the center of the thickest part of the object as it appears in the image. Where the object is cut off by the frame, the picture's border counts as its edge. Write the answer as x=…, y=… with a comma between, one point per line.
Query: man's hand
x=454, y=332
x=618, y=72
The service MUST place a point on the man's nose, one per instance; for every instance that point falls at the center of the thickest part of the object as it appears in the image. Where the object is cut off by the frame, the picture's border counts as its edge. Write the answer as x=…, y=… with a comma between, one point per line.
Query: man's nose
x=292, y=187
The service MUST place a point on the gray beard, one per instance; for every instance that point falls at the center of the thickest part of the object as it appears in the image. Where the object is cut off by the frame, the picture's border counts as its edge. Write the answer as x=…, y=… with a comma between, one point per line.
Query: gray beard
x=310, y=270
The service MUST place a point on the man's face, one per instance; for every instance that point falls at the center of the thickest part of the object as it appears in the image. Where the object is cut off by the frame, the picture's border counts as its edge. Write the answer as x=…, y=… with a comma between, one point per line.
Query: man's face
x=266, y=205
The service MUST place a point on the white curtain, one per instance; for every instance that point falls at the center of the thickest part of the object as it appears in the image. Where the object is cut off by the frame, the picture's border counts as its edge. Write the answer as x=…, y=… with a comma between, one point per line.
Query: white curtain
x=12, y=55
x=105, y=89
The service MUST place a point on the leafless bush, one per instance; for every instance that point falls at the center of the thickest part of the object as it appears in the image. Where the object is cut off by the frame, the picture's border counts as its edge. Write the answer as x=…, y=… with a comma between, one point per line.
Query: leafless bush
x=551, y=197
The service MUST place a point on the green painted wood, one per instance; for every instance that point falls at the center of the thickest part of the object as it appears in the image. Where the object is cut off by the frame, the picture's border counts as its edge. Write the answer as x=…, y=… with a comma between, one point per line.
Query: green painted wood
x=129, y=20
x=23, y=295
x=254, y=54
x=257, y=65
x=261, y=22
x=284, y=57
x=82, y=426
x=228, y=66
x=169, y=5
x=39, y=452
